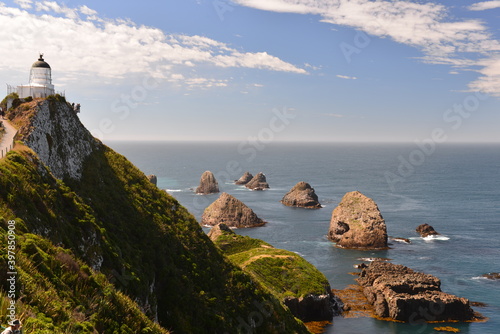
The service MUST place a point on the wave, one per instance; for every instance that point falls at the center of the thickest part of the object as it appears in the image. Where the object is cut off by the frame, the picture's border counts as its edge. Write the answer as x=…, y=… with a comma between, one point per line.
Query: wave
x=436, y=237
x=174, y=190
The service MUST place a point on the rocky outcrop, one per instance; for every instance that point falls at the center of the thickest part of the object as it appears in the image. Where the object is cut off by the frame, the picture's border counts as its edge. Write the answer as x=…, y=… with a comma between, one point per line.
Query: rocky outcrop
x=153, y=179
x=258, y=182
x=244, y=179
x=56, y=134
x=492, y=276
x=302, y=195
x=208, y=184
x=426, y=230
x=290, y=278
x=357, y=223
x=230, y=211
x=403, y=294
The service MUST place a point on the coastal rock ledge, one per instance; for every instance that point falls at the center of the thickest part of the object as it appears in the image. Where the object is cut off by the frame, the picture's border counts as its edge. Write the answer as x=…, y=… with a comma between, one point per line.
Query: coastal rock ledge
x=357, y=223
x=208, y=184
x=403, y=294
x=230, y=211
x=426, y=230
x=302, y=195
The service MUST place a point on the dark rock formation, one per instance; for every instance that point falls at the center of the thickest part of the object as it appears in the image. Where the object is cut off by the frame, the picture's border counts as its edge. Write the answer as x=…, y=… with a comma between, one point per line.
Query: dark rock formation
x=425, y=230
x=153, y=179
x=313, y=307
x=302, y=195
x=244, y=179
x=495, y=276
x=230, y=211
x=258, y=182
x=208, y=184
x=401, y=293
x=357, y=223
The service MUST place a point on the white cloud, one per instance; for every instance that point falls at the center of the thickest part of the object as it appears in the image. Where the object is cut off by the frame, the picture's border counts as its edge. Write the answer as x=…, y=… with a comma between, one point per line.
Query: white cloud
x=346, y=77
x=489, y=82
x=93, y=46
x=484, y=5
x=426, y=26
x=25, y=4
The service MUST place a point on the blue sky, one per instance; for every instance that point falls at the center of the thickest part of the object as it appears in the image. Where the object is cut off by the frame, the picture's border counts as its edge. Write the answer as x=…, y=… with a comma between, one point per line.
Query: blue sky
x=284, y=70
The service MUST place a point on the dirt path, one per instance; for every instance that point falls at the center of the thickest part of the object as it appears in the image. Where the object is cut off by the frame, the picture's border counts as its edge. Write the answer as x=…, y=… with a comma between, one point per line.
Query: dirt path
x=255, y=258
x=6, y=143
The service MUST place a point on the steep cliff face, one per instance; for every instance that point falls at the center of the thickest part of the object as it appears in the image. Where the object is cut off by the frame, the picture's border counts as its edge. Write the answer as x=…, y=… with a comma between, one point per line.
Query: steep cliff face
x=55, y=133
x=97, y=207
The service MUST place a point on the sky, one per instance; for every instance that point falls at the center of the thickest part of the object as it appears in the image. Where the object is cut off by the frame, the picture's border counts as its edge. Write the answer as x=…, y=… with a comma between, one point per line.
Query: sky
x=266, y=70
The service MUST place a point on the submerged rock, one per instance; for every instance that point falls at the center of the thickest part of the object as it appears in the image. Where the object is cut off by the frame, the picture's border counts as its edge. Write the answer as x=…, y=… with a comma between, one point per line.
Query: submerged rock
x=258, y=182
x=208, y=184
x=153, y=179
x=244, y=179
x=401, y=293
x=425, y=230
x=357, y=223
x=230, y=211
x=302, y=195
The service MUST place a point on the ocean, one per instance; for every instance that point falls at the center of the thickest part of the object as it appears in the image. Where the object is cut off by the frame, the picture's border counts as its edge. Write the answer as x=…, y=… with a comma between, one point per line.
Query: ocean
x=453, y=187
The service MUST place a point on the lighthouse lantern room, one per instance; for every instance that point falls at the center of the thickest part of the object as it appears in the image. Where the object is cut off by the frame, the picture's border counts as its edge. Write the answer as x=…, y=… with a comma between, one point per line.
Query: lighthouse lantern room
x=40, y=84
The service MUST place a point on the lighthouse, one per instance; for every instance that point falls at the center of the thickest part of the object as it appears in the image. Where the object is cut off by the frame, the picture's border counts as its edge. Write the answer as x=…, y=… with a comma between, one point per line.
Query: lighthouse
x=40, y=84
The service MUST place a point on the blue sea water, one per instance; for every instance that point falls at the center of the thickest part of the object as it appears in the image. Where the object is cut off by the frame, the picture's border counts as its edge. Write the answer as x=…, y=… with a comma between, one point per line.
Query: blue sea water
x=455, y=188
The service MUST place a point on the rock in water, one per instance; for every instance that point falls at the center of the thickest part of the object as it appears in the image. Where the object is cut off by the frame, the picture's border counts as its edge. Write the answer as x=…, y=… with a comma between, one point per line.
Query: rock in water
x=230, y=211
x=153, y=179
x=357, y=223
x=425, y=230
x=258, y=182
x=302, y=195
x=403, y=294
x=208, y=184
x=244, y=179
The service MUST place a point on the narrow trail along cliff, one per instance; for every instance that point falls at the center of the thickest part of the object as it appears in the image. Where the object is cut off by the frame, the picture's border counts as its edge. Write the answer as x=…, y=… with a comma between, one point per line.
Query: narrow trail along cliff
x=7, y=138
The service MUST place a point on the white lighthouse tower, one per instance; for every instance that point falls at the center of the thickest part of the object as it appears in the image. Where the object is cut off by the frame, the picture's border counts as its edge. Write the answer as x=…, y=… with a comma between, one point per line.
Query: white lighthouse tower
x=40, y=81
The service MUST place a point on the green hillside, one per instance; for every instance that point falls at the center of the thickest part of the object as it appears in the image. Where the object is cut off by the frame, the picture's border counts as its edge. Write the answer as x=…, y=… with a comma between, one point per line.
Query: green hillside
x=108, y=252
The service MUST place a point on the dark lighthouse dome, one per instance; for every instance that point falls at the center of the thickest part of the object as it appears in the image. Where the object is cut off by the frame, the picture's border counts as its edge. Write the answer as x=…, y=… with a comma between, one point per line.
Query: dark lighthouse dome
x=40, y=63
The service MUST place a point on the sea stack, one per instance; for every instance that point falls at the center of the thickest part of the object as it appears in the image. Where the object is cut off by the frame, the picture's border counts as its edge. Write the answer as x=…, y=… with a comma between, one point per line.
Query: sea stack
x=425, y=230
x=208, y=184
x=230, y=211
x=302, y=195
x=153, y=179
x=357, y=223
x=258, y=182
x=401, y=293
x=244, y=179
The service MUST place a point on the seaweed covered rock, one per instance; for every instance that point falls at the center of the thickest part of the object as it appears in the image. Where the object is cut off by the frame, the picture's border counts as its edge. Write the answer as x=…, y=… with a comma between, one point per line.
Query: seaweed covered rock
x=302, y=195
x=244, y=179
x=403, y=294
x=258, y=182
x=230, y=211
x=357, y=223
x=290, y=278
x=208, y=184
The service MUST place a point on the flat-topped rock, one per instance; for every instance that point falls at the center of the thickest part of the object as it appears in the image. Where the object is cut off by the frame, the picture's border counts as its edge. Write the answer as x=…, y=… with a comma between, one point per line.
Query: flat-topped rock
x=401, y=293
x=230, y=211
x=357, y=223
x=425, y=230
x=208, y=184
x=302, y=195
x=258, y=182
x=244, y=179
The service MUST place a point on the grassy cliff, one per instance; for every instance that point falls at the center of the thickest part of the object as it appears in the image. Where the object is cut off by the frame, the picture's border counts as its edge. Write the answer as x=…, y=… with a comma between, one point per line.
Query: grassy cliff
x=109, y=252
